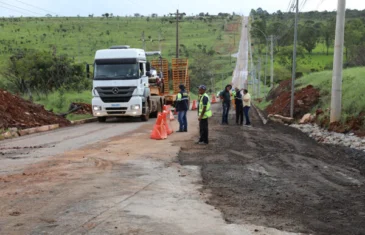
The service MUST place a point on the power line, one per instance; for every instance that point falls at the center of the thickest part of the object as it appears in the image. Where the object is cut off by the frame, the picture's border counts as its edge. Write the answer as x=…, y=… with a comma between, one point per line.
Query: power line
x=292, y=26
x=14, y=10
x=319, y=4
x=20, y=8
x=303, y=4
x=290, y=8
x=36, y=7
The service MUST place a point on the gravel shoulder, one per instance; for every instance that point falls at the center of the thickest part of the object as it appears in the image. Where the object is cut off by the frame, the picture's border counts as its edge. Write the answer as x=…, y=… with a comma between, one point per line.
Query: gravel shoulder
x=276, y=176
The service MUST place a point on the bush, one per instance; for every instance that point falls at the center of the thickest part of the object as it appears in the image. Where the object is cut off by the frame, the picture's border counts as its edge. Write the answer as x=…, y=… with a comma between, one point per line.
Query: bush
x=43, y=72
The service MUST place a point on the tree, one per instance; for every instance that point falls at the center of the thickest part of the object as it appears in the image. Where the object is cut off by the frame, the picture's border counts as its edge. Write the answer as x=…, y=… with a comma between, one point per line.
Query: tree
x=285, y=56
x=258, y=28
x=309, y=35
x=137, y=15
x=201, y=70
x=353, y=35
x=41, y=72
x=328, y=33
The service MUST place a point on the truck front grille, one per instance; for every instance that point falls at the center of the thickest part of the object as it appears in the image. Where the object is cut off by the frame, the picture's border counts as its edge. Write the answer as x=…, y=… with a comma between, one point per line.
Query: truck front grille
x=115, y=94
x=116, y=112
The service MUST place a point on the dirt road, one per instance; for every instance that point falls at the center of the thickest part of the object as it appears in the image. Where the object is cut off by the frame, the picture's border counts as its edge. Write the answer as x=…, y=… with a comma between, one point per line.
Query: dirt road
x=276, y=176
x=106, y=179
x=15, y=154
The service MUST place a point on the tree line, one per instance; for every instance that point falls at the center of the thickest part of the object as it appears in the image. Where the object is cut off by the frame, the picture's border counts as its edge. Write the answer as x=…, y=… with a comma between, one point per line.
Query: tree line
x=312, y=32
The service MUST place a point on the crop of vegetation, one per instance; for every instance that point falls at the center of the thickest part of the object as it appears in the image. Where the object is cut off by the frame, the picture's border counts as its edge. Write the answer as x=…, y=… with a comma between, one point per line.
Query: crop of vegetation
x=316, y=34
x=353, y=103
x=44, y=58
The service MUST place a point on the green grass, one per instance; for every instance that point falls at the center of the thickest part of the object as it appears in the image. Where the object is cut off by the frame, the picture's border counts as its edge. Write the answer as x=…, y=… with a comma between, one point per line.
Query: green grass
x=80, y=37
x=60, y=104
x=263, y=104
x=75, y=117
x=353, y=86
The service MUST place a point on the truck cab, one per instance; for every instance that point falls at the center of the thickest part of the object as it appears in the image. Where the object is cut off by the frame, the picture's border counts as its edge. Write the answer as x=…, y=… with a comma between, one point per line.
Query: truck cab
x=120, y=83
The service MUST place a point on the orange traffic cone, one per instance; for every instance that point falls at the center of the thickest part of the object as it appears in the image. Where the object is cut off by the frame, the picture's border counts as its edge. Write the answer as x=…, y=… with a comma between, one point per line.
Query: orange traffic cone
x=166, y=122
x=159, y=130
x=194, y=106
x=172, y=115
x=163, y=131
x=214, y=99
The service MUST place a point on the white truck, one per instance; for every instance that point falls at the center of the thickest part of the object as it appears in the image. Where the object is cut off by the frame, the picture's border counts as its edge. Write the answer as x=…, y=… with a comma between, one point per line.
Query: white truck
x=121, y=84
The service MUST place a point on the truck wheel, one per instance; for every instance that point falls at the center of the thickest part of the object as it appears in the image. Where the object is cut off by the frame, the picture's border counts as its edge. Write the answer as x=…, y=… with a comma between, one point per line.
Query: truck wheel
x=101, y=119
x=146, y=112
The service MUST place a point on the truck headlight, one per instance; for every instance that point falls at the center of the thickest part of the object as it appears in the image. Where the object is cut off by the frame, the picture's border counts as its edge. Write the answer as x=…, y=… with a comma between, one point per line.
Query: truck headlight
x=97, y=108
x=135, y=107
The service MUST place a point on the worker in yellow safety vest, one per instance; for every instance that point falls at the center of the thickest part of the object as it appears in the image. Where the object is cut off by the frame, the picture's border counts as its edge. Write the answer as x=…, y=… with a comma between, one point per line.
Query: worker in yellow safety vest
x=204, y=114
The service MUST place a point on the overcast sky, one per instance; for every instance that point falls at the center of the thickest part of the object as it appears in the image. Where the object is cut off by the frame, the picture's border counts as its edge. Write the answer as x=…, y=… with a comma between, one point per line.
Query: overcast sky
x=146, y=7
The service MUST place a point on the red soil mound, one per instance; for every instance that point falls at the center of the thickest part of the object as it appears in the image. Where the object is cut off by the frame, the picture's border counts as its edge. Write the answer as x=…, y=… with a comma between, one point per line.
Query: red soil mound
x=20, y=113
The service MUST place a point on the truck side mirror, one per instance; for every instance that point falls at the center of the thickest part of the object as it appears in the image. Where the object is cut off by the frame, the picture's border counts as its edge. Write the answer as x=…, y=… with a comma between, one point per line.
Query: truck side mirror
x=148, y=74
x=87, y=70
x=148, y=66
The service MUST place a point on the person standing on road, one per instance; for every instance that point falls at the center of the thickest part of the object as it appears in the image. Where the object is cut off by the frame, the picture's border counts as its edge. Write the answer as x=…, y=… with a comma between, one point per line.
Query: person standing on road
x=226, y=103
x=239, y=106
x=246, y=106
x=182, y=107
x=204, y=113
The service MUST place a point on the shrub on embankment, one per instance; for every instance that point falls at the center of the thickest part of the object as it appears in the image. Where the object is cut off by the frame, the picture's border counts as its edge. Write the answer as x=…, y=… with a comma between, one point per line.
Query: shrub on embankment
x=353, y=100
x=353, y=86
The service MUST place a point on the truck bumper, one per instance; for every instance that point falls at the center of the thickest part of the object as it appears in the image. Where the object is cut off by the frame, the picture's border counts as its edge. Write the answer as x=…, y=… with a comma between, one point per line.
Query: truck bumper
x=117, y=109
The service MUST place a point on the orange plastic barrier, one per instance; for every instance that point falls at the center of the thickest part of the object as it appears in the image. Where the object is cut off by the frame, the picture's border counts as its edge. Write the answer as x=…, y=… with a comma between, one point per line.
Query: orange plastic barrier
x=194, y=106
x=166, y=122
x=214, y=100
x=159, y=130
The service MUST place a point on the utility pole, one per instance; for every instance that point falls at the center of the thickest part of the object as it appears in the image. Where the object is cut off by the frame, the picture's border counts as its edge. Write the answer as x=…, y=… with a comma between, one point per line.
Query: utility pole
x=272, y=62
x=159, y=41
x=177, y=33
x=336, y=98
x=267, y=48
x=143, y=41
x=259, y=80
x=178, y=17
x=294, y=59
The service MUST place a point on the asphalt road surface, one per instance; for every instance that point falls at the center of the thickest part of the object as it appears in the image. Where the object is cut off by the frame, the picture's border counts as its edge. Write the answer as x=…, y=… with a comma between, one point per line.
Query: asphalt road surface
x=15, y=154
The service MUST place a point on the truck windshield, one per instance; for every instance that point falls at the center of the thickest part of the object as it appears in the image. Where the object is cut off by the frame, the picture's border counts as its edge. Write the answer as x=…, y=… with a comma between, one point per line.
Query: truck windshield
x=116, y=71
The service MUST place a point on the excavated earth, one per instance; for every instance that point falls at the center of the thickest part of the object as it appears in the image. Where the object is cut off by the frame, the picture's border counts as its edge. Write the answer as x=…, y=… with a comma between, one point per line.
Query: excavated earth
x=304, y=100
x=84, y=108
x=276, y=176
x=20, y=113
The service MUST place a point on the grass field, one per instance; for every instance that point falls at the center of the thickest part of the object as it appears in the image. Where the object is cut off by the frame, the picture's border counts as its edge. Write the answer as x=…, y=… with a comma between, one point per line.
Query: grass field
x=352, y=87
x=60, y=103
x=80, y=37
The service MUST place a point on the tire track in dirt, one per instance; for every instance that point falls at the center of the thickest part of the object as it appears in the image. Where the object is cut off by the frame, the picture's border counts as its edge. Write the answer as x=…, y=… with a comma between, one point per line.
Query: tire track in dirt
x=273, y=175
